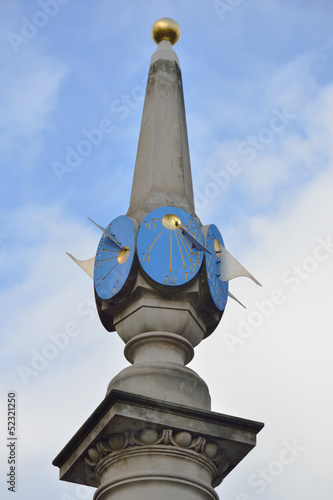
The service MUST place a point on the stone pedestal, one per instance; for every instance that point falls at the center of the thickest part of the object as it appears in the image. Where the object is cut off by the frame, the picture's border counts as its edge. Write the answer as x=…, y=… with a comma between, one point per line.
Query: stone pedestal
x=138, y=447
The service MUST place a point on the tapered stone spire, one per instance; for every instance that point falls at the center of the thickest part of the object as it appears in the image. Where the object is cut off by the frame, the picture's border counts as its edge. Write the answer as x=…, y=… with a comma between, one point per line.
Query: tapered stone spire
x=162, y=175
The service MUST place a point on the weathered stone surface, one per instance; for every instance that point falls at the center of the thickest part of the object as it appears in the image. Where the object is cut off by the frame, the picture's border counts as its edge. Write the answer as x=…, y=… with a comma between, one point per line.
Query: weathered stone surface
x=160, y=331
x=162, y=173
x=157, y=446
x=160, y=335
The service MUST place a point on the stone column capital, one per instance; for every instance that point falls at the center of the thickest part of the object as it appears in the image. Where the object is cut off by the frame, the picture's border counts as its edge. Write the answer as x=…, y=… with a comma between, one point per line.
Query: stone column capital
x=135, y=445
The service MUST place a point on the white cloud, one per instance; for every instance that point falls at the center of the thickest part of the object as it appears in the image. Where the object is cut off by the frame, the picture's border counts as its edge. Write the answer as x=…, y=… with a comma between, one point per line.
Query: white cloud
x=31, y=97
x=271, y=165
x=28, y=98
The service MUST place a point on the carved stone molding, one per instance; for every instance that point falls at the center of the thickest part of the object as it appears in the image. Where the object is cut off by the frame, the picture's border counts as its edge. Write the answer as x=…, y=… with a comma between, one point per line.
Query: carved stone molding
x=151, y=440
x=135, y=445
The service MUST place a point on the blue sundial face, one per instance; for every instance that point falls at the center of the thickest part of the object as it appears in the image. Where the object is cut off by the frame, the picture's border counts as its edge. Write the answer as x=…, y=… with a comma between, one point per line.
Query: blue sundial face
x=218, y=289
x=114, y=257
x=166, y=246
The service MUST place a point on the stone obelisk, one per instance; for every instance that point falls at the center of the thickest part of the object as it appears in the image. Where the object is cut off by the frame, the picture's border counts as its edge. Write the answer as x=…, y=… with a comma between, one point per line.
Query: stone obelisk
x=154, y=435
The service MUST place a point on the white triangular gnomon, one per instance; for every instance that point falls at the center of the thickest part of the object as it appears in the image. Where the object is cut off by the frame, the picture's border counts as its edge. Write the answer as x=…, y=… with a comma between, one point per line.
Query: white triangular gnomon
x=86, y=265
x=108, y=234
x=235, y=298
x=230, y=268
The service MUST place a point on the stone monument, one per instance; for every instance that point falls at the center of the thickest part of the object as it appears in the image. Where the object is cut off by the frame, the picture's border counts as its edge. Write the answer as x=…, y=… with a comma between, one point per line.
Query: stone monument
x=161, y=281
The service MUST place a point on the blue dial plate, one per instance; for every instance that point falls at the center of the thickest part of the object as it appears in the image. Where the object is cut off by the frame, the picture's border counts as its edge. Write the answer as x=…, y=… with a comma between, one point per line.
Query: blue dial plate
x=114, y=257
x=218, y=289
x=165, y=252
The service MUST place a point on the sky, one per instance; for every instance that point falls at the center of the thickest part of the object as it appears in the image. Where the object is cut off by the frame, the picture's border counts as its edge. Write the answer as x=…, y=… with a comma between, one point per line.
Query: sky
x=258, y=85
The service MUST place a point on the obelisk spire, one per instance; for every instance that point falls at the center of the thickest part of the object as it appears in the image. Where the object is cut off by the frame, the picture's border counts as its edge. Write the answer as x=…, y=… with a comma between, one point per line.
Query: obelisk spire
x=162, y=173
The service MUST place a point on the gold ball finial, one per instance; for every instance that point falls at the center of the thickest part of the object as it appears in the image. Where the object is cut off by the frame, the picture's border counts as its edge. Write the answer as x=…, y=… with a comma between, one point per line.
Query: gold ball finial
x=165, y=29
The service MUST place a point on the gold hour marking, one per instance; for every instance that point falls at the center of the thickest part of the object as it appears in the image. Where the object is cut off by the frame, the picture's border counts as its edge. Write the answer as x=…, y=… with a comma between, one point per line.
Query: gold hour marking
x=110, y=258
x=151, y=223
x=173, y=280
x=153, y=243
x=111, y=244
x=170, y=251
x=109, y=272
x=120, y=273
x=186, y=246
x=180, y=250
